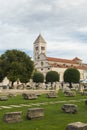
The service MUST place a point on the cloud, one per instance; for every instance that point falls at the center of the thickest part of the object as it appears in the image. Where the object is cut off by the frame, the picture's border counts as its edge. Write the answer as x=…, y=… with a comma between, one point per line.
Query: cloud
x=63, y=23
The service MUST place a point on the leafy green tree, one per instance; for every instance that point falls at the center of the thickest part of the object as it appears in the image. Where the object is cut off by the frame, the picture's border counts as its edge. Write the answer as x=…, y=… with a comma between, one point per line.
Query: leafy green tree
x=1, y=75
x=71, y=75
x=52, y=76
x=16, y=65
x=38, y=77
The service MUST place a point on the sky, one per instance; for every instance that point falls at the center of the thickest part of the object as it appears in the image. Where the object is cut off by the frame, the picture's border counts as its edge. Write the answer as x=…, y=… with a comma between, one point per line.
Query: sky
x=62, y=23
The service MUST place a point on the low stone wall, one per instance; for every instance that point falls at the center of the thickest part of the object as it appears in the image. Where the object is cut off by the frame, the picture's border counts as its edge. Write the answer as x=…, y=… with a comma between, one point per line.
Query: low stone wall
x=19, y=92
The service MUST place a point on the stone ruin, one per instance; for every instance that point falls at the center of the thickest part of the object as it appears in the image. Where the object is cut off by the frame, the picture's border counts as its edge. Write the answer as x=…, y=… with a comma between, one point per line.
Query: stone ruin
x=84, y=93
x=70, y=93
x=77, y=126
x=34, y=113
x=69, y=108
x=29, y=96
x=52, y=94
x=3, y=98
x=12, y=117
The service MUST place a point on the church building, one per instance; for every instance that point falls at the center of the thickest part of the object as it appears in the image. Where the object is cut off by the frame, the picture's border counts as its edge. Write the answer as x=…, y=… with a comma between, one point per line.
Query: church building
x=45, y=64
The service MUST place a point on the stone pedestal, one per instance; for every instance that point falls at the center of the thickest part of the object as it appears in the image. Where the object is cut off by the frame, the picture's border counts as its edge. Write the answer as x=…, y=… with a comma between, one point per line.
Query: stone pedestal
x=52, y=94
x=34, y=113
x=70, y=93
x=12, y=117
x=3, y=98
x=77, y=126
x=69, y=108
x=29, y=96
x=84, y=93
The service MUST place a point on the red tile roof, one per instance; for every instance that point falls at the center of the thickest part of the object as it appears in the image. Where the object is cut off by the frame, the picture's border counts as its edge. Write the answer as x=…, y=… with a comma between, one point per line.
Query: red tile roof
x=72, y=62
x=77, y=59
x=61, y=60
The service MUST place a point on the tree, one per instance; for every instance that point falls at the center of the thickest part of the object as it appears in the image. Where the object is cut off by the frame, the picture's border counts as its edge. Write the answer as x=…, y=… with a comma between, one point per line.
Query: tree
x=71, y=75
x=16, y=65
x=38, y=77
x=52, y=76
x=1, y=75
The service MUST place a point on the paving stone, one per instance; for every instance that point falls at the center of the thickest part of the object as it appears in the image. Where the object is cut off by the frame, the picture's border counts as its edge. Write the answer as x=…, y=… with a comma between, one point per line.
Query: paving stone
x=8, y=107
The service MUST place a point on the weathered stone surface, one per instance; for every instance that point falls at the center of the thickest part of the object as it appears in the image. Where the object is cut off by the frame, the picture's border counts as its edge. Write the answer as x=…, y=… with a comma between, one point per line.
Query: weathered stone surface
x=12, y=117
x=11, y=95
x=3, y=98
x=29, y=96
x=69, y=108
x=84, y=93
x=52, y=94
x=77, y=126
x=70, y=93
x=35, y=113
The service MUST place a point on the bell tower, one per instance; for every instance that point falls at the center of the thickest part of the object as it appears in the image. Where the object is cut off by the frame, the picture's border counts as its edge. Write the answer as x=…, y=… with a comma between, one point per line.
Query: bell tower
x=39, y=47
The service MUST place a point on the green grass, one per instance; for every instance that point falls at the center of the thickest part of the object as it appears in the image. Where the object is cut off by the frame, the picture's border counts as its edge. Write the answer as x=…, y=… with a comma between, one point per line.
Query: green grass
x=54, y=119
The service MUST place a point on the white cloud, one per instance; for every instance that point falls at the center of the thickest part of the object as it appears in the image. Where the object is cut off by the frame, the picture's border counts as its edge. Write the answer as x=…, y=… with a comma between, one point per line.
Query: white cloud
x=63, y=24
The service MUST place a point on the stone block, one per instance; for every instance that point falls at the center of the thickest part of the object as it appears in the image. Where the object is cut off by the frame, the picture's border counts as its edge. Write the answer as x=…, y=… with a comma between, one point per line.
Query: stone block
x=12, y=117
x=69, y=108
x=70, y=93
x=84, y=93
x=3, y=98
x=29, y=96
x=34, y=113
x=77, y=126
x=52, y=94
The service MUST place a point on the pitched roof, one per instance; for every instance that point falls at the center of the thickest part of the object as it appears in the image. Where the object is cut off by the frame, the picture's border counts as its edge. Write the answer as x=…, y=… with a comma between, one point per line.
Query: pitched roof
x=39, y=39
x=61, y=60
x=72, y=62
x=76, y=59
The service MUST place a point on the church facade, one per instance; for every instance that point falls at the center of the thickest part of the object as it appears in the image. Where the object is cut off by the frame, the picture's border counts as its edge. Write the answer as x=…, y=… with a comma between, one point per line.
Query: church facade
x=45, y=64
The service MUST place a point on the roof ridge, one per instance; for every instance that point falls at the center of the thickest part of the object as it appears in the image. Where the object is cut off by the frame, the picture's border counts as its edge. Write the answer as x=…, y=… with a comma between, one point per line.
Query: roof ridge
x=39, y=39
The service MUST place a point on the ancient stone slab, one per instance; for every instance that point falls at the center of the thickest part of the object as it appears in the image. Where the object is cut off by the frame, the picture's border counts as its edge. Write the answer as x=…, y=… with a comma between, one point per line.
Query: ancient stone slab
x=34, y=113
x=69, y=108
x=70, y=93
x=12, y=117
x=52, y=94
x=77, y=126
x=84, y=93
x=11, y=95
x=3, y=98
x=29, y=96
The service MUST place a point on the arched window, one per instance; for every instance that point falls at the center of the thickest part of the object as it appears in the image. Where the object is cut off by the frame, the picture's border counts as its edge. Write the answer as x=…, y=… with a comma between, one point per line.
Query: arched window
x=42, y=63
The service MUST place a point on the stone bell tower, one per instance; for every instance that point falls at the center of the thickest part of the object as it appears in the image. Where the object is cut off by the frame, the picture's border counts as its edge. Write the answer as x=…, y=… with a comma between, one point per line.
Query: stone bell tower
x=39, y=47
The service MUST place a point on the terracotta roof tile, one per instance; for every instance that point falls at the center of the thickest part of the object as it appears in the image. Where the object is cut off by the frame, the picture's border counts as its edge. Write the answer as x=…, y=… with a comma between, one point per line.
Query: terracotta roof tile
x=76, y=59
x=61, y=60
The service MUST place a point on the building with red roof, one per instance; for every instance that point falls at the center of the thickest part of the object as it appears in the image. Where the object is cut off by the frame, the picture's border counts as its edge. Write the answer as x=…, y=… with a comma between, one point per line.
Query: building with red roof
x=45, y=64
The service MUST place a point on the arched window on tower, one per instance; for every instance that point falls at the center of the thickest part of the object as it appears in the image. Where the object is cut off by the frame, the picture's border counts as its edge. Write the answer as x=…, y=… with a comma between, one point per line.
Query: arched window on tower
x=42, y=48
x=42, y=63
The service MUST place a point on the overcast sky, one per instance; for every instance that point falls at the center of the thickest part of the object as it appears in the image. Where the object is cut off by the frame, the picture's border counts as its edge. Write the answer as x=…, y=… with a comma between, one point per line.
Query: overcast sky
x=62, y=23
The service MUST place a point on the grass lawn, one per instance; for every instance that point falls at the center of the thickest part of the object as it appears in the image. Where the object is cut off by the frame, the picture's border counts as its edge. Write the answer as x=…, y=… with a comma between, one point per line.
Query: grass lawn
x=54, y=119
